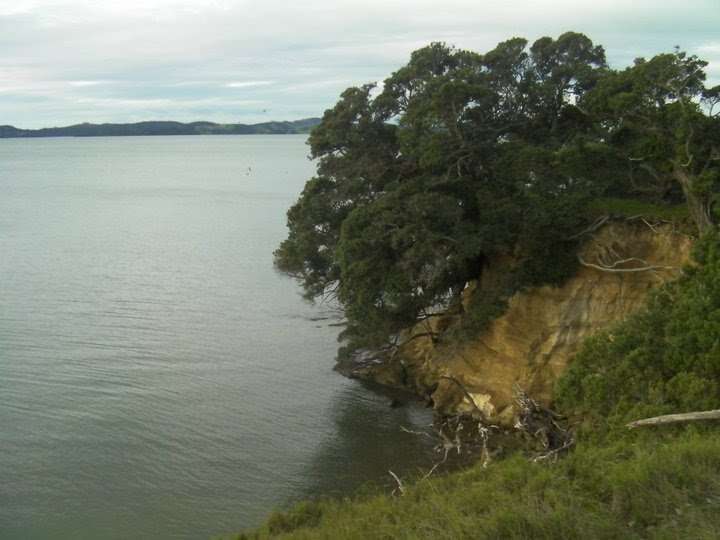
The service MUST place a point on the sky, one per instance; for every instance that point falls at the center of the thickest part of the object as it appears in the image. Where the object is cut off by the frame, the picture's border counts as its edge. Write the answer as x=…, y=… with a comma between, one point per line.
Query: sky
x=70, y=61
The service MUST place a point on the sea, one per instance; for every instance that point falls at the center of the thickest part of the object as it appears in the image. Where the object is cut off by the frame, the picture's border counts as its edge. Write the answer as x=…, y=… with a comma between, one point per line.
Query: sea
x=158, y=378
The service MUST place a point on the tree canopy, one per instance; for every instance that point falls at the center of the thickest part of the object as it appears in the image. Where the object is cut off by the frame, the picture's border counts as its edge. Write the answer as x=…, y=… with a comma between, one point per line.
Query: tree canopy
x=659, y=117
x=461, y=157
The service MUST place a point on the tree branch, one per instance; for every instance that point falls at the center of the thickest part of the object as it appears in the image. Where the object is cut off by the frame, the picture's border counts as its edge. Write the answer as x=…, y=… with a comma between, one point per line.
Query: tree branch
x=592, y=228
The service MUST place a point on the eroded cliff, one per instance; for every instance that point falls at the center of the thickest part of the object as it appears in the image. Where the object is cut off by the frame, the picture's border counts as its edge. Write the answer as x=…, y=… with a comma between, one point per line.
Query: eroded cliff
x=532, y=342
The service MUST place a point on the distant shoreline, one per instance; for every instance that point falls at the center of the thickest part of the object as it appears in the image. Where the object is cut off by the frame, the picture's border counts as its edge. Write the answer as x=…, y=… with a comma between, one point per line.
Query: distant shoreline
x=162, y=128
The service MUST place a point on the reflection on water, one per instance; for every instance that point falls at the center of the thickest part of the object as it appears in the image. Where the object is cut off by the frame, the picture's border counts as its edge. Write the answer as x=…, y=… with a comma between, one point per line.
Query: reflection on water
x=368, y=442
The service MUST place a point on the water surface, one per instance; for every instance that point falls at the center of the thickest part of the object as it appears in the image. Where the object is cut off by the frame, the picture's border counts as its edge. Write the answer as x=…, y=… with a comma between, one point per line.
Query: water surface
x=157, y=378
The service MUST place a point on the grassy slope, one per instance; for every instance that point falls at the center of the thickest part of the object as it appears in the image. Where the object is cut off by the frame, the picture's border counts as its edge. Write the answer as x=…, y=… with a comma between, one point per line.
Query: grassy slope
x=654, y=483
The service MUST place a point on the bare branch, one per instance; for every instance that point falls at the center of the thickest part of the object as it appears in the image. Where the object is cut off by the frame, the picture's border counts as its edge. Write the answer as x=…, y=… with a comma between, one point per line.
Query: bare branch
x=432, y=470
x=400, y=487
x=687, y=149
x=653, y=229
x=676, y=418
x=555, y=452
x=611, y=268
x=592, y=228
x=410, y=431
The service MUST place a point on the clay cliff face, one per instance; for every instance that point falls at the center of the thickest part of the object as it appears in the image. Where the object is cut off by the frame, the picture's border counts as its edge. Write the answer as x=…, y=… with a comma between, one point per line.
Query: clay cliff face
x=531, y=344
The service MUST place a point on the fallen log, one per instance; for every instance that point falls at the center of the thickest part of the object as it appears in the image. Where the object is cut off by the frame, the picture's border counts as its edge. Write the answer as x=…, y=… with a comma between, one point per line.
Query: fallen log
x=676, y=418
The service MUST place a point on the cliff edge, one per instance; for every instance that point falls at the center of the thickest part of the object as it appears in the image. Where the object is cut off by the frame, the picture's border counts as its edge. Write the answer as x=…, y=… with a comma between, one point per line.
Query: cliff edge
x=530, y=345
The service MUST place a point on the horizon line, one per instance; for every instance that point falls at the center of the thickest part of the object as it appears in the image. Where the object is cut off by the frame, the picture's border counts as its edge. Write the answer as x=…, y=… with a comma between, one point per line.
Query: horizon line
x=159, y=121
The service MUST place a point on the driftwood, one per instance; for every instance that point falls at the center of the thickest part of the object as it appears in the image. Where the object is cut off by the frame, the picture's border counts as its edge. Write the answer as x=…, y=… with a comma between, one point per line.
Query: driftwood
x=676, y=418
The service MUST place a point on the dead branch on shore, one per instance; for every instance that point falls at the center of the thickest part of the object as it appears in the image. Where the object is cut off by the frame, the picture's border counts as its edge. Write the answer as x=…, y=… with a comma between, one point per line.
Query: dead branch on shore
x=676, y=418
x=484, y=434
x=432, y=469
x=465, y=434
x=412, y=432
x=459, y=433
x=400, y=487
x=541, y=424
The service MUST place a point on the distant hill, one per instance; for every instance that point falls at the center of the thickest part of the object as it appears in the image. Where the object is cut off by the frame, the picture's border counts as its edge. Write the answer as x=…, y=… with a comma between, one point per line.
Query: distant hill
x=164, y=128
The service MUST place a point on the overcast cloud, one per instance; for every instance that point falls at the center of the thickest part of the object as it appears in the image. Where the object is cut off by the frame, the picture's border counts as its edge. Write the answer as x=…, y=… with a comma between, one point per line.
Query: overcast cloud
x=70, y=61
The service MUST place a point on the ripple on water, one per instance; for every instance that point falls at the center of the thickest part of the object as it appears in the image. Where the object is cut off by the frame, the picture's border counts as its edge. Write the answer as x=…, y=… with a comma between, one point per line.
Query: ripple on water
x=157, y=377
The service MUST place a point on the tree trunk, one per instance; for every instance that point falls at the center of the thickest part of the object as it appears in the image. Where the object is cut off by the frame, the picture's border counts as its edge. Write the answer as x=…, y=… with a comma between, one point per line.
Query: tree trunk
x=698, y=205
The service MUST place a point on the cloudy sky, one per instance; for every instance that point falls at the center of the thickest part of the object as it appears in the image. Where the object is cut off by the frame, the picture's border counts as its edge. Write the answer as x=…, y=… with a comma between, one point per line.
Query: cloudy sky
x=70, y=61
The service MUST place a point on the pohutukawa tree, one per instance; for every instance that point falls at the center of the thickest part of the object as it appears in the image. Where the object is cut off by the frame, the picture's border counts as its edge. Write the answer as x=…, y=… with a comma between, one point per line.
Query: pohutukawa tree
x=463, y=157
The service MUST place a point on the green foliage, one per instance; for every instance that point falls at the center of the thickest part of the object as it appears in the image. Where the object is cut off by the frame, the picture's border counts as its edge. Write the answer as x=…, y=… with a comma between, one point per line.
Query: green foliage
x=663, y=360
x=462, y=157
x=481, y=310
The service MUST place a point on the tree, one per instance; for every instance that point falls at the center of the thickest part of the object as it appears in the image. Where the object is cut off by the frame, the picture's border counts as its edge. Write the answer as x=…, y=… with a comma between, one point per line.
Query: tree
x=461, y=157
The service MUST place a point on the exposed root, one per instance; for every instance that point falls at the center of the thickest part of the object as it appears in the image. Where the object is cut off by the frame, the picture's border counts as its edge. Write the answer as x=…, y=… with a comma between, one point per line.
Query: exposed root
x=612, y=267
x=609, y=260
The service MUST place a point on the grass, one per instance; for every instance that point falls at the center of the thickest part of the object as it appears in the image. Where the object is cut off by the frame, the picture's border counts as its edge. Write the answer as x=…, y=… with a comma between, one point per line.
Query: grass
x=654, y=487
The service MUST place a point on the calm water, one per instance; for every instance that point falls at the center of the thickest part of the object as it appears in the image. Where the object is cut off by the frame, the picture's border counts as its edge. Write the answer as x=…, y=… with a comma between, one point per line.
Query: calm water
x=157, y=378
